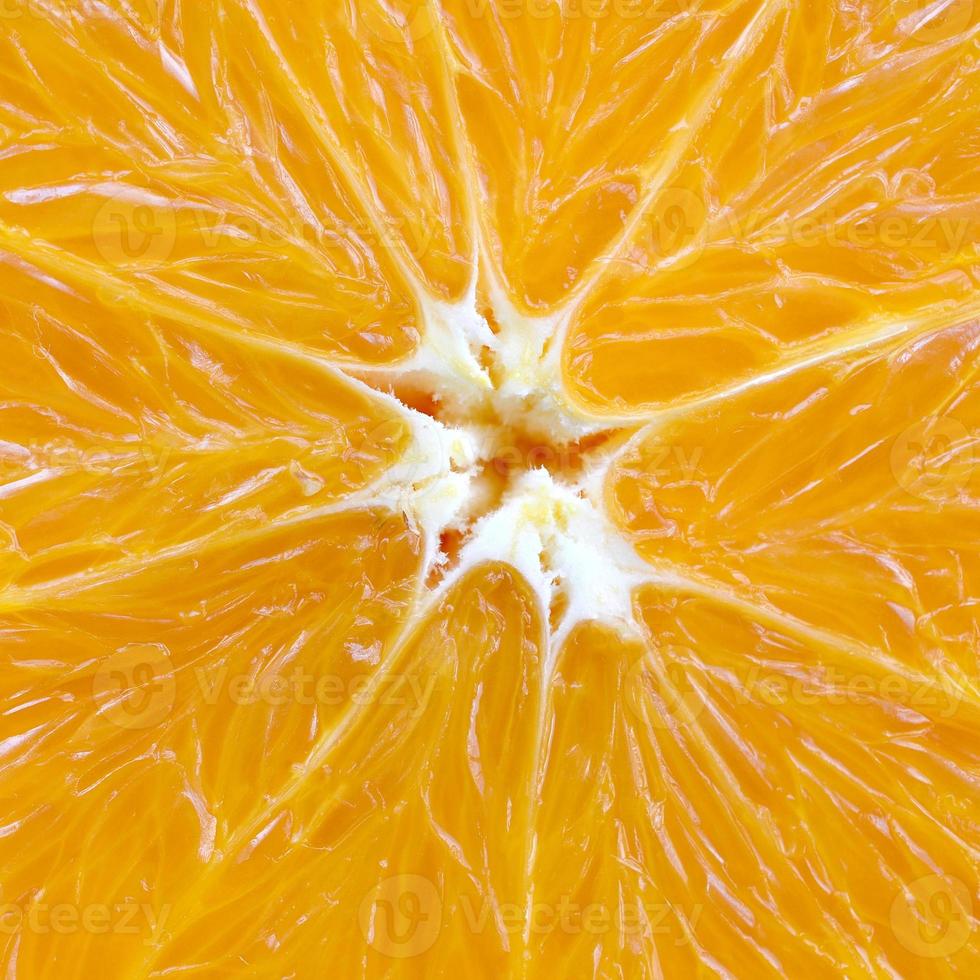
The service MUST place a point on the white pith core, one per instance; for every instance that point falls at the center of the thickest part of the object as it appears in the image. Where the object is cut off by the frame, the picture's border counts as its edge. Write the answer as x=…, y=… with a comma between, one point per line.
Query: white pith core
x=499, y=392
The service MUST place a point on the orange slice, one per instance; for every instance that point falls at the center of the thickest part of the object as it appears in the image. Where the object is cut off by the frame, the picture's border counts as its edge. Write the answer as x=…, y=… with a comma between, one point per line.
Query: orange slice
x=489, y=488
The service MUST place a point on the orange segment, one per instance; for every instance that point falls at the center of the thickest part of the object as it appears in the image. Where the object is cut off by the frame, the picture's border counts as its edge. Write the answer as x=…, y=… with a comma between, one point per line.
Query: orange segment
x=229, y=212
x=594, y=908
x=370, y=84
x=421, y=813
x=203, y=681
x=839, y=496
x=108, y=419
x=783, y=784
x=567, y=134
x=837, y=219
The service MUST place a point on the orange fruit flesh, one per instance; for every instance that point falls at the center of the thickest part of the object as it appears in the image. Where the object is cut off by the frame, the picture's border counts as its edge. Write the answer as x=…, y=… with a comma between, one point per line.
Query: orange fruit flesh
x=489, y=488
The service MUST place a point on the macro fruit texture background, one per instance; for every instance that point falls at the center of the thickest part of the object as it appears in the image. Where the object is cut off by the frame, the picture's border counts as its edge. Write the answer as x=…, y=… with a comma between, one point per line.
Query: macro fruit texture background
x=489, y=488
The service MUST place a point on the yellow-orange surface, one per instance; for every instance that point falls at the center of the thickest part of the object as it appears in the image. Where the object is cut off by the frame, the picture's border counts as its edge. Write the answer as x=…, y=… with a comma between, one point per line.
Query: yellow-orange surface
x=489, y=488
